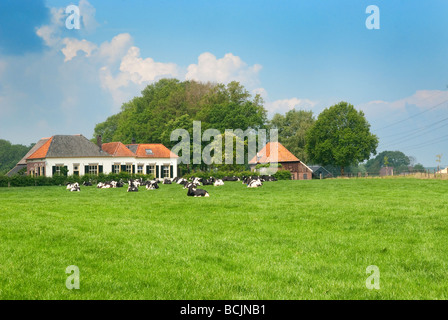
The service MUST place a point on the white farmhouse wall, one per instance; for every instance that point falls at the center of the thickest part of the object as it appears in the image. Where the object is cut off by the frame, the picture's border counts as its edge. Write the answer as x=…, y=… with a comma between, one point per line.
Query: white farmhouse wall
x=106, y=162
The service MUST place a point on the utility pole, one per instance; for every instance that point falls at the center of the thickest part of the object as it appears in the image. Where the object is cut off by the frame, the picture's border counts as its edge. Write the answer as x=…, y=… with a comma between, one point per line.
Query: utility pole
x=439, y=160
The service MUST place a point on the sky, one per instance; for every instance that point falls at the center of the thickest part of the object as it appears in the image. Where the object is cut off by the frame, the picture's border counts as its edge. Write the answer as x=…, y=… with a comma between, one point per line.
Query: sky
x=307, y=55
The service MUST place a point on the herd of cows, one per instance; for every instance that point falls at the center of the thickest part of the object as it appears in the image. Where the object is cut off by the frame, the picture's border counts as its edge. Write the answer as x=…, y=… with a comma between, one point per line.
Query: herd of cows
x=192, y=184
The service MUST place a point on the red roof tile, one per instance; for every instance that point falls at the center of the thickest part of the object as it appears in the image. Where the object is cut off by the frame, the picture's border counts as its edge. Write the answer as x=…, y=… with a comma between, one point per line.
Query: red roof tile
x=42, y=151
x=117, y=149
x=283, y=154
x=158, y=150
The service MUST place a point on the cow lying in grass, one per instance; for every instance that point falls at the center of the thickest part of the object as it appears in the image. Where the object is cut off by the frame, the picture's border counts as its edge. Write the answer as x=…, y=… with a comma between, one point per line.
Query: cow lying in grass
x=218, y=182
x=254, y=183
x=73, y=187
x=132, y=188
x=193, y=192
x=152, y=185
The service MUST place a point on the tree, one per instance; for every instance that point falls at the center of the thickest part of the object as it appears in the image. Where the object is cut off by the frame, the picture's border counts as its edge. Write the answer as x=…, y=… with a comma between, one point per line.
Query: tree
x=292, y=130
x=170, y=104
x=10, y=154
x=341, y=136
x=396, y=159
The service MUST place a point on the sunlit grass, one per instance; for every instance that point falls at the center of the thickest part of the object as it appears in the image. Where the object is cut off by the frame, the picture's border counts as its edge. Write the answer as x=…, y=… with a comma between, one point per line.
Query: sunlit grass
x=285, y=240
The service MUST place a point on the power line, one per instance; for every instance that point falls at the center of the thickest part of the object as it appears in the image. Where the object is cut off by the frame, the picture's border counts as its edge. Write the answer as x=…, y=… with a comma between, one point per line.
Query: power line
x=418, y=132
x=417, y=114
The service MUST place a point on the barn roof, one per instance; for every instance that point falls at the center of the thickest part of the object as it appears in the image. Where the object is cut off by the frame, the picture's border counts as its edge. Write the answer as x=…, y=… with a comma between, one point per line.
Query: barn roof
x=117, y=149
x=283, y=154
x=151, y=150
x=64, y=146
x=39, y=144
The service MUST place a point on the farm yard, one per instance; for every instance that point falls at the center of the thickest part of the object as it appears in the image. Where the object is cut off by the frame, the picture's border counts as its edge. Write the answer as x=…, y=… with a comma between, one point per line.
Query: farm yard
x=284, y=240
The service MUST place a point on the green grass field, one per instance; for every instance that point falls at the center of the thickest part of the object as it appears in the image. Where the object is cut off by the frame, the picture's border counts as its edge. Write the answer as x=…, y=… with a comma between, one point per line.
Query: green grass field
x=285, y=240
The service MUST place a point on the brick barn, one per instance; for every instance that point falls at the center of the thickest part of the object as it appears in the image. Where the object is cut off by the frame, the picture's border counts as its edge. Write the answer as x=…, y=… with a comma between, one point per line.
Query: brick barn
x=288, y=161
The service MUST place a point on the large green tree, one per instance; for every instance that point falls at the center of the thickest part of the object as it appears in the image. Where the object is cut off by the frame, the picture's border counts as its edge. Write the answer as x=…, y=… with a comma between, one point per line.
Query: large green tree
x=341, y=136
x=171, y=104
x=292, y=130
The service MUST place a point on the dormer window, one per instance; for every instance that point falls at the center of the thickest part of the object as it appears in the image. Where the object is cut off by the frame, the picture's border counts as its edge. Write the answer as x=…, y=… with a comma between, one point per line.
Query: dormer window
x=148, y=151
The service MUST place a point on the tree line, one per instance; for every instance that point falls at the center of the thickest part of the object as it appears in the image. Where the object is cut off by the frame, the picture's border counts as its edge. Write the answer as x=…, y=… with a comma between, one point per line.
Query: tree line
x=338, y=138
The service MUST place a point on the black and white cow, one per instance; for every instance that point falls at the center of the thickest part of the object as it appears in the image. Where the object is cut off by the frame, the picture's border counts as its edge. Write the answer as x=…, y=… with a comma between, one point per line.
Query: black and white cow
x=218, y=182
x=152, y=185
x=167, y=181
x=73, y=187
x=193, y=192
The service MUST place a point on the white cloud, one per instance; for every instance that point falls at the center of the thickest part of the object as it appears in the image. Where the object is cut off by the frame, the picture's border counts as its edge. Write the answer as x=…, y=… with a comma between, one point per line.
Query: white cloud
x=224, y=70
x=87, y=13
x=141, y=70
x=51, y=33
x=422, y=99
x=284, y=105
x=116, y=49
x=72, y=46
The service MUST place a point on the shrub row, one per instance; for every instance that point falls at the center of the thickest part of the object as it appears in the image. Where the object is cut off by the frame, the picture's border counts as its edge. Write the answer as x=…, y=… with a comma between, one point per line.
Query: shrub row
x=280, y=174
x=26, y=181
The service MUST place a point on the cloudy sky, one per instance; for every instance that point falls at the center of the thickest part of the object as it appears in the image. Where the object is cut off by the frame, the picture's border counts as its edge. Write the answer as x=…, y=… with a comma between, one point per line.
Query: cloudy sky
x=296, y=54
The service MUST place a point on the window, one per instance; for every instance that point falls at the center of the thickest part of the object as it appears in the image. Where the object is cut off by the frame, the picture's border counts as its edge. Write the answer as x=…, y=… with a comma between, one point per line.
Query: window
x=93, y=169
x=148, y=151
x=151, y=170
x=166, y=171
x=140, y=169
x=129, y=168
x=116, y=168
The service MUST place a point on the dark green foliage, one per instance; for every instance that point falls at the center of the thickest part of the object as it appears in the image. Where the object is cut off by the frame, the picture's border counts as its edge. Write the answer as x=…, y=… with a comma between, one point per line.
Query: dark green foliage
x=10, y=154
x=292, y=130
x=396, y=159
x=57, y=180
x=283, y=175
x=340, y=136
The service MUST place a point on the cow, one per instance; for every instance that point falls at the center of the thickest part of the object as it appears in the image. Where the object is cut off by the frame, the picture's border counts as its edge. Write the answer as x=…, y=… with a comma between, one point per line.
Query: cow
x=132, y=188
x=87, y=183
x=73, y=187
x=254, y=183
x=218, y=182
x=167, y=181
x=193, y=192
x=152, y=185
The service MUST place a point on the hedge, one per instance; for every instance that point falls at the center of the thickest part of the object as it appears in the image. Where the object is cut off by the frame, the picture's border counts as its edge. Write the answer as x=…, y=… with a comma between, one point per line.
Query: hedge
x=27, y=181
x=280, y=174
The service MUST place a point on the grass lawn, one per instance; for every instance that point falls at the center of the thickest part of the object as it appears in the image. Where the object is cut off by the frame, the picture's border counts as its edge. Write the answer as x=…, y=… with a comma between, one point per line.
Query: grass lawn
x=285, y=240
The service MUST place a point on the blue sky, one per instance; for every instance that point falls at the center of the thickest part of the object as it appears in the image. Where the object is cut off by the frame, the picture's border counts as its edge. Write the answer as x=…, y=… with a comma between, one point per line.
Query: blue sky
x=296, y=54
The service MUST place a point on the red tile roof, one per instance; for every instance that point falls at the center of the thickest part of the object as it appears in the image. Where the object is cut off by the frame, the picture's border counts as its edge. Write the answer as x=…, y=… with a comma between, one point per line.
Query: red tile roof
x=158, y=150
x=283, y=154
x=117, y=149
x=42, y=151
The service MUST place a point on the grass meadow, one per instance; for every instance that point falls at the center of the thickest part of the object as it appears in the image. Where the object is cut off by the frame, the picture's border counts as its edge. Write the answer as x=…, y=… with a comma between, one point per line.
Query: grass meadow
x=285, y=240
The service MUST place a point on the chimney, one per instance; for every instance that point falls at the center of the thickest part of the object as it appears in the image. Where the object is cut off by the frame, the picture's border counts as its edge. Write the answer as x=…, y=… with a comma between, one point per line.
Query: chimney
x=99, y=141
x=133, y=140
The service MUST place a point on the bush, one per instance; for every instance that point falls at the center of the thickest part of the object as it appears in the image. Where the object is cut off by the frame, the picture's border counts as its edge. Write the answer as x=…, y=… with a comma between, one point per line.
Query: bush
x=220, y=174
x=283, y=175
x=57, y=180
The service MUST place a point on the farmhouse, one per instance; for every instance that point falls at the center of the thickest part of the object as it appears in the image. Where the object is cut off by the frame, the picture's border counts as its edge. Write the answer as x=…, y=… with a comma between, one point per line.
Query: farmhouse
x=288, y=161
x=76, y=155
